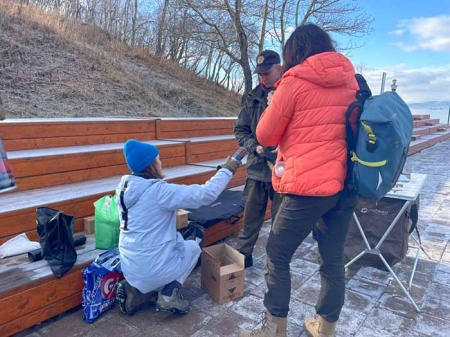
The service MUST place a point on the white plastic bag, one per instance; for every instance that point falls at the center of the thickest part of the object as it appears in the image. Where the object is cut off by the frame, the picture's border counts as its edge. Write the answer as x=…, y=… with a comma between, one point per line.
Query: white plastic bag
x=19, y=244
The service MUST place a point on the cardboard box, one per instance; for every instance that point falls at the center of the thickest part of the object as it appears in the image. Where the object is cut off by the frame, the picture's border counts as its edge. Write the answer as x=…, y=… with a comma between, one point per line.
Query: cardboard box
x=223, y=273
x=182, y=218
x=89, y=225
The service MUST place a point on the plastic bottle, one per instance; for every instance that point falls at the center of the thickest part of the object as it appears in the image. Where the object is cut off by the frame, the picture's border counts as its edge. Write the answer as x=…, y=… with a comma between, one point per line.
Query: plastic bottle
x=279, y=168
x=239, y=154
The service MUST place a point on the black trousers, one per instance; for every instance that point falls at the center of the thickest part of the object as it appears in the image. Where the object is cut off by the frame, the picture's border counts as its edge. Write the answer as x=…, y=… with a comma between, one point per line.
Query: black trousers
x=296, y=218
x=256, y=194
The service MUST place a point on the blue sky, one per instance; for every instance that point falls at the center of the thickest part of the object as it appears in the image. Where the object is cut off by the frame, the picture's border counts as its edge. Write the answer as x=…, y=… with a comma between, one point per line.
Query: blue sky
x=410, y=42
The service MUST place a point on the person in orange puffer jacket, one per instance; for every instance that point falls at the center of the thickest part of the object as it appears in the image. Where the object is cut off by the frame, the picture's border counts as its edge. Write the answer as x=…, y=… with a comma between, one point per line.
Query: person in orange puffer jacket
x=306, y=119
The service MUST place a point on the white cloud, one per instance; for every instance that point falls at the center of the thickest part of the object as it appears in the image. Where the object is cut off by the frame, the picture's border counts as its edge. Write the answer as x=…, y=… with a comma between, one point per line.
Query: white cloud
x=415, y=85
x=432, y=33
x=406, y=47
x=398, y=32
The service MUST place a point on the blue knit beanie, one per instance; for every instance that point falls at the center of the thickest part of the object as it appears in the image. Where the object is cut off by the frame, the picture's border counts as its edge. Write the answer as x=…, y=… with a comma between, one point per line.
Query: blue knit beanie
x=139, y=155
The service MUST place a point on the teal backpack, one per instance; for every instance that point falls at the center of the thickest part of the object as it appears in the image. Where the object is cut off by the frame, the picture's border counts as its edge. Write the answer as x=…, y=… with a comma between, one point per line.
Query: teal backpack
x=379, y=146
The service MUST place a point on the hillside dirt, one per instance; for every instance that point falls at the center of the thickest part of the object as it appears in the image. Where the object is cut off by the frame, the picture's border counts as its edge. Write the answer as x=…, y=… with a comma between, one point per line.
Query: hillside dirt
x=58, y=67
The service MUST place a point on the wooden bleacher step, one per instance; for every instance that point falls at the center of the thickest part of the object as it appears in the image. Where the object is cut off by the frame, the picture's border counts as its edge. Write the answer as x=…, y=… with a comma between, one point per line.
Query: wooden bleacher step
x=57, y=166
x=206, y=148
x=239, y=177
x=421, y=117
x=173, y=128
x=38, y=133
x=17, y=210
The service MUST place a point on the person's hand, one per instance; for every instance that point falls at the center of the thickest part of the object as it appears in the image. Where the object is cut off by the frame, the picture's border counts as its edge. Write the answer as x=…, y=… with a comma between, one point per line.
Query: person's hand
x=276, y=150
x=259, y=149
x=230, y=164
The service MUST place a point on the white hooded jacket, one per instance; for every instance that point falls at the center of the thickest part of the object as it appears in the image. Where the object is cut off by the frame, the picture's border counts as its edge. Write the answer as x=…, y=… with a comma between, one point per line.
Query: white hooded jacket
x=152, y=252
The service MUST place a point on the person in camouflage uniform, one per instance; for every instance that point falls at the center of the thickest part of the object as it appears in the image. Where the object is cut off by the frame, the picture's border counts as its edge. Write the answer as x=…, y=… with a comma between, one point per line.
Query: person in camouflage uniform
x=258, y=188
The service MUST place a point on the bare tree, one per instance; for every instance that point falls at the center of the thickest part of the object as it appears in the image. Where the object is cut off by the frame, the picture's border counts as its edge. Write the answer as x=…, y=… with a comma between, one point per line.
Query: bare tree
x=162, y=22
x=216, y=39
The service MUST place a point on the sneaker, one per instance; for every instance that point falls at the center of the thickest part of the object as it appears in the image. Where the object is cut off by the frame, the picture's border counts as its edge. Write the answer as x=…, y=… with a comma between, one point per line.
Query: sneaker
x=174, y=303
x=129, y=299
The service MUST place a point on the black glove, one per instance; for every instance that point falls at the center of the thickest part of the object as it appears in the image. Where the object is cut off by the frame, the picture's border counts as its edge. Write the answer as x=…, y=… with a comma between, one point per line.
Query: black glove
x=230, y=164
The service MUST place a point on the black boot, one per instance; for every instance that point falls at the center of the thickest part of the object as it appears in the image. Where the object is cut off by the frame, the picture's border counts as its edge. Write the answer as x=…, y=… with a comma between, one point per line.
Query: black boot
x=129, y=299
x=248, y=261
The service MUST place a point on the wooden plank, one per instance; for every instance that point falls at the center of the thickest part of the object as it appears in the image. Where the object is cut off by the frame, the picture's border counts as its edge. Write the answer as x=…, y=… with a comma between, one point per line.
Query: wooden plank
x=416, y=117
x=158, y=129
x=32, y=299
x=21, y=217
x=16, y=203
x=236, y=182
x=62, y=178
x=212, y=146
x=79, y=208
x=205, y=139
x=422, y=131
x=188, y=152
x=39, y=316
x=213, y=238
x=40, y=143
x=38, y=162
x=188, y=125
x=34, y=236
x=72, y=129
x=220, y=226
x=198, y=158
x=419, y=123
x=194, y=133
x=432, y=121
x=19, y=279
x=11, y=264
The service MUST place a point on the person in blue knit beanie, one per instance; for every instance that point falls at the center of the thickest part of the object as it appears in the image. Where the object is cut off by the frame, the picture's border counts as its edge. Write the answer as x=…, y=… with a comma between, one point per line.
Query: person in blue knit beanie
x=154, y=256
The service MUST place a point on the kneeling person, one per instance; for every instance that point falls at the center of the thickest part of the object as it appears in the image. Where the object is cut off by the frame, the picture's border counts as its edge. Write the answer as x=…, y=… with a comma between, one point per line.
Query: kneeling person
x=154, y=256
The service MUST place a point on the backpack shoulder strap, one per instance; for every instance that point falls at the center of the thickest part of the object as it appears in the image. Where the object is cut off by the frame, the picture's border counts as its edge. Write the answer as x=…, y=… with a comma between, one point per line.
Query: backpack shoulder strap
x=353, y=113
x=124, y=208
x=356, y=108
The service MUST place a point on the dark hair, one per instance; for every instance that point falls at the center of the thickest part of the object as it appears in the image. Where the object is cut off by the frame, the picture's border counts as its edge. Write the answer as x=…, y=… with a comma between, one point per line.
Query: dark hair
x=153, y=171
x=307, y=40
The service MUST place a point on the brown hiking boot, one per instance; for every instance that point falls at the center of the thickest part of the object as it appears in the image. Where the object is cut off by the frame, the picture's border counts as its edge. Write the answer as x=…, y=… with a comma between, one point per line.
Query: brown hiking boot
x=319, y=327
x=129, y=299
x=271, y=327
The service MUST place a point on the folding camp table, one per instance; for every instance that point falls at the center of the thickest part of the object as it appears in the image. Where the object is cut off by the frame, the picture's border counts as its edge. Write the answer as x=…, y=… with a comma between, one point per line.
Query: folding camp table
x=408, y=191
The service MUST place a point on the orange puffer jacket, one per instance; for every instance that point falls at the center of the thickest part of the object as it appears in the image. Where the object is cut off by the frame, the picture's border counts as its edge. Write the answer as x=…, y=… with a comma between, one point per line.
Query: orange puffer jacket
x=306, y=118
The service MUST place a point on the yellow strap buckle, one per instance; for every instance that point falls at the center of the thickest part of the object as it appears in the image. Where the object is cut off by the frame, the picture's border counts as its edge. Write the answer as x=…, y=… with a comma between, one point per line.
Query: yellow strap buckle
x=354, y=158
x=372, y=136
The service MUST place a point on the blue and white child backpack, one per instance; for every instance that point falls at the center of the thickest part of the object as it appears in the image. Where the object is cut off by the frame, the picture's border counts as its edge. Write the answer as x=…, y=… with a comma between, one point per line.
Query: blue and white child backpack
x=378, y=152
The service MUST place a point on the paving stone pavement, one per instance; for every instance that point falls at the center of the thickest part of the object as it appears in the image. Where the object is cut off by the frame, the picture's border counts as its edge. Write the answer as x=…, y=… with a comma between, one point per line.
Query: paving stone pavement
x=375, y=305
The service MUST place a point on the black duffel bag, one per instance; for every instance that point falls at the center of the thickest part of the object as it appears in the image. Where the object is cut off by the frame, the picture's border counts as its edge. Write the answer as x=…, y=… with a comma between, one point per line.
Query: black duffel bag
x=55, y=231
x=228, y=206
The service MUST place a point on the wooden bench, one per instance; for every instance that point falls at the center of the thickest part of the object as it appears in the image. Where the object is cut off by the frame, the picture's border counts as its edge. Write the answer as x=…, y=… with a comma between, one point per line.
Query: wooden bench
x=57, y=166
x=200, y=149
x=17, y=214
x=239, y=177
x=174, y=128
x=38, y=133
x=68, y=164
x=29, y=293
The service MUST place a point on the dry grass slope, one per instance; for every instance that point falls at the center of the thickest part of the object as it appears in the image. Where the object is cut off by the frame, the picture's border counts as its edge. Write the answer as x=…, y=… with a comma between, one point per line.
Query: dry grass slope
x=58, y=67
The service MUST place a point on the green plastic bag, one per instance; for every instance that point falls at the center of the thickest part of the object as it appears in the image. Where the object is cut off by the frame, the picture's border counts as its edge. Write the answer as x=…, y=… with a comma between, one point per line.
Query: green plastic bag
x=107, y=223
